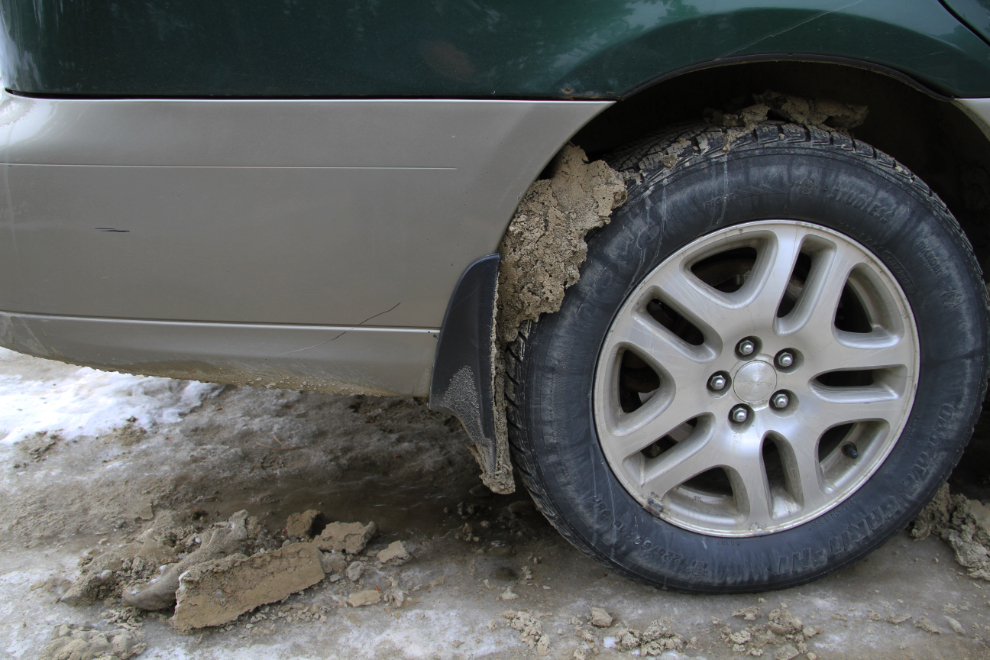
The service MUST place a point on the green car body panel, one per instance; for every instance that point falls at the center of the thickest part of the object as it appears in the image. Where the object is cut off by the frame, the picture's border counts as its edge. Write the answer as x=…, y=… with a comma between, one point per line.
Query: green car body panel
x=510, y=49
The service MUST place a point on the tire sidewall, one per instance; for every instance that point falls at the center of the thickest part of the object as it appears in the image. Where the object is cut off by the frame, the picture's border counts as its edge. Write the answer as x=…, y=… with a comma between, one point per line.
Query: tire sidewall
x=904, y=226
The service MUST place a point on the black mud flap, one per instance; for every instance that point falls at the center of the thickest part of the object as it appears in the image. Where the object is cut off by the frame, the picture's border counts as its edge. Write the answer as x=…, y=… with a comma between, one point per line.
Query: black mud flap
x=463, y=379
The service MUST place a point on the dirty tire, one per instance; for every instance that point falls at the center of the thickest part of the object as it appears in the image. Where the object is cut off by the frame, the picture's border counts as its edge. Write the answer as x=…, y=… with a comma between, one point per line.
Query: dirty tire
x=776, y=171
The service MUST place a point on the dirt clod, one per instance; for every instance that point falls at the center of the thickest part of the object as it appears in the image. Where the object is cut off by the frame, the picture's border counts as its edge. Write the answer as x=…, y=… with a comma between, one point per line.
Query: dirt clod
x=224, y=540
x=347, y=537
x=354, y=571
x=395, y=554
x=751, y=613
x=71, y=642
x=530, y=629
x=786, y=652
x=363, y=598
x=600, y=618
x=927, y=625
x=962, y=523
x=219, y=592
x=300, y=525
x=782, y=622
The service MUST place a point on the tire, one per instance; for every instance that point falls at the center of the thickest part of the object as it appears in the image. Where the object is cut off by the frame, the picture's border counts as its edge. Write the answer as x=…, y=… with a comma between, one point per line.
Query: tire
x=882, y=394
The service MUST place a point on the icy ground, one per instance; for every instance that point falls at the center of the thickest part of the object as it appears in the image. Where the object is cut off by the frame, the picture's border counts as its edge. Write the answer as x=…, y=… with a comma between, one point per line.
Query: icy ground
x=88, y=460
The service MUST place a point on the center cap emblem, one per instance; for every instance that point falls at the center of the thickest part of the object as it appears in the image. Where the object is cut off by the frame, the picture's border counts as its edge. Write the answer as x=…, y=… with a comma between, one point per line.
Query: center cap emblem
x=755, y=382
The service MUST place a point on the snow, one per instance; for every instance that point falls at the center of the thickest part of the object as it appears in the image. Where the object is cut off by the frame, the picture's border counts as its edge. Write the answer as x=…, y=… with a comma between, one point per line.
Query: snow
x=79, y=401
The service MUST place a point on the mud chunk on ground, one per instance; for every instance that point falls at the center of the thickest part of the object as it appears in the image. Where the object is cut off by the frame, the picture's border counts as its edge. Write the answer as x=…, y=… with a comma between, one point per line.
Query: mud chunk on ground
x=628, y=639
x=362, y=598
x=935, y=518
x=71, y=642
x=782, y=622
x=927, y=625
x=224, y=540
x=786, y=652
x=101, y=577
x=955, y=625
x=600, y=618
x=395, y=554
x=530, y=630
x=508, y=594
x=751, y=613
x=544, y=245
x=333, y=562
x=354, y=571
x=301, y=524
x=660, y=637
x=346, y=537
x=213, y=594
x=962, y=523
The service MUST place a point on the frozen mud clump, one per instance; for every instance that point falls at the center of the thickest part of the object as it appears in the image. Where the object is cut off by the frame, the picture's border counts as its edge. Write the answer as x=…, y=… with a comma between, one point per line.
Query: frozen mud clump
x=71, y=642
x=962, y=523
x=347, y=537
x=227, y=538
x=105, y=575
x=530, y=630
x=218, y=592
x=364, y=598
x=395, y=554
x=823, y=113
x=600, y=618
x=544, y=245
x=542, y=250
x=300, y=525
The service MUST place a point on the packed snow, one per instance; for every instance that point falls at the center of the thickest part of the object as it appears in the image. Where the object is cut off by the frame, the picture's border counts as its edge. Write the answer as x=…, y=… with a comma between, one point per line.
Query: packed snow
x=87, y=402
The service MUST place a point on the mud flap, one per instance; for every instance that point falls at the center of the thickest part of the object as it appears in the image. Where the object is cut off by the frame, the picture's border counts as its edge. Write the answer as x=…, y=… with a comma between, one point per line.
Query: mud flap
x=463, y=373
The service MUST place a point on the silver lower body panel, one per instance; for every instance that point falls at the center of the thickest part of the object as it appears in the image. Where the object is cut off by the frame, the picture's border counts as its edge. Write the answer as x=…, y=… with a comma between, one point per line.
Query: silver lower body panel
x=350, y=360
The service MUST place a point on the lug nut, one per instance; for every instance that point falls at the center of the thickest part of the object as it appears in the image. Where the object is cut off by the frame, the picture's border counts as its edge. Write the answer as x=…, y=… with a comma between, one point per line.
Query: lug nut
x=739, y=414
x=746, y=347
x=779, y=400
x=718, y=382
x=785, y=359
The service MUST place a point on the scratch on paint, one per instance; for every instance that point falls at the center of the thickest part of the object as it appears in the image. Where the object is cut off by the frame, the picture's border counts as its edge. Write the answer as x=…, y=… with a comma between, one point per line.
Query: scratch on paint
x=792, y=27
x=353, y=327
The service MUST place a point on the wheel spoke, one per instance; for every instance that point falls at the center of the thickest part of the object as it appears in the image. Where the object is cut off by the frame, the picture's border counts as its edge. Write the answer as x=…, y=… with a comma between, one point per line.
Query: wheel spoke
x=750, y=488
x=709, y=309
x=668, y=353
x=813, y=318
x=851, y=351
x=803, y=470
x=767, y=284
x=688, y=459
x=640, y=429
x=829, y=407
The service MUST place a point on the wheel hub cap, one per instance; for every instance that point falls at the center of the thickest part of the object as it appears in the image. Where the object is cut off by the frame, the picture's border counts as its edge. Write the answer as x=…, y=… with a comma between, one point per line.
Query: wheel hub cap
x=755, y=382
x=783, y=288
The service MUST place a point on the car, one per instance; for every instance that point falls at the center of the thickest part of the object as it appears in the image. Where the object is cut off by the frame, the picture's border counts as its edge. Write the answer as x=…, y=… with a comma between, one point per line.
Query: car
x=705, y=274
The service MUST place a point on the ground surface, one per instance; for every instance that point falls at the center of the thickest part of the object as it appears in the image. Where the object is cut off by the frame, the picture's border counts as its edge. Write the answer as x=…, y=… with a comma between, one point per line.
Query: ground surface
x=89, y=460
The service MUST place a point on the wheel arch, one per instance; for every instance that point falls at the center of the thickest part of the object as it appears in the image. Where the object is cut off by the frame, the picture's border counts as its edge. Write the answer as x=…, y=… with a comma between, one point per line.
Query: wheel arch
x=950, y=149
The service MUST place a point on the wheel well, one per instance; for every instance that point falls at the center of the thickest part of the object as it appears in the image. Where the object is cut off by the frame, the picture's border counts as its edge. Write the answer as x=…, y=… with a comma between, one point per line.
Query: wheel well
x=928, y=133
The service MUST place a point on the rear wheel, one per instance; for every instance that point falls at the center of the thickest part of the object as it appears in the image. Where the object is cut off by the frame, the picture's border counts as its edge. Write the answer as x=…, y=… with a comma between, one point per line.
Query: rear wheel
x=774, y=356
